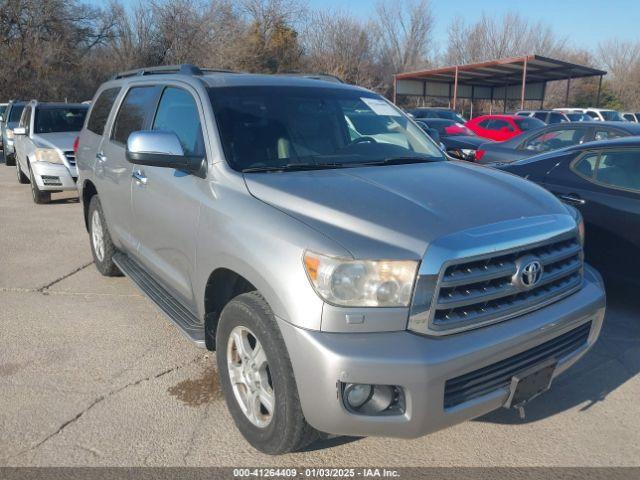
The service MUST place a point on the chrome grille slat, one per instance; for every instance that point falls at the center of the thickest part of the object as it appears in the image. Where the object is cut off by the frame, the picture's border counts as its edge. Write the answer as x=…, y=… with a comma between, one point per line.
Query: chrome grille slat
x=71, y=157
x=476, y=291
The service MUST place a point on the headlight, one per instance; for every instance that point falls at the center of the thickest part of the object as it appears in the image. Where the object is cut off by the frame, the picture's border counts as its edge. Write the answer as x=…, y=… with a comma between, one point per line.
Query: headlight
x=9, y=134
x=575, y=213
x=361, y=283
x=48, y=155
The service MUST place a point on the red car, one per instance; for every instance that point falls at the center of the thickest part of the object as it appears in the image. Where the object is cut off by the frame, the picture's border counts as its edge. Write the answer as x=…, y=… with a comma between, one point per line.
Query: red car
x=502, y=127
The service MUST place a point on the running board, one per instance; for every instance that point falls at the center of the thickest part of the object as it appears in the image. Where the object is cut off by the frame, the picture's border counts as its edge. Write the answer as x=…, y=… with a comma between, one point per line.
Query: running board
x=182, y=318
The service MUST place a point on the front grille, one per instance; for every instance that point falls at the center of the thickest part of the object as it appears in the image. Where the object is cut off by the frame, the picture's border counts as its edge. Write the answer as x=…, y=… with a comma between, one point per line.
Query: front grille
x=71, y=157
x=498, y=375
x=485, y=289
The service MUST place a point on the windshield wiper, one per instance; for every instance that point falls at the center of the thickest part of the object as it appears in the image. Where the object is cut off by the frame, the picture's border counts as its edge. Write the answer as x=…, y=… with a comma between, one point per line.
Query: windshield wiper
x=398, y=161
x=293, y=167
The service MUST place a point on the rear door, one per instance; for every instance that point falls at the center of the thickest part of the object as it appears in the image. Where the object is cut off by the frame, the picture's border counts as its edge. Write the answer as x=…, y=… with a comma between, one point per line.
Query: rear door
x=112, y=169
x=166, y=205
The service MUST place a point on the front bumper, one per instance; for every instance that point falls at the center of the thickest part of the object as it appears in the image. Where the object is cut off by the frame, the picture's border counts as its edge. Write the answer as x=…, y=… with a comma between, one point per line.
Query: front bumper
x=54, y=177
x=421, y=365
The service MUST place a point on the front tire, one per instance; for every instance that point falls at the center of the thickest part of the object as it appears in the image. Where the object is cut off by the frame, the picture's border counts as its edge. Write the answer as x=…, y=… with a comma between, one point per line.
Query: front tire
x=257, y=378
x=102, y=248
x=9, y=160
x=22, y=178
x=39, y=196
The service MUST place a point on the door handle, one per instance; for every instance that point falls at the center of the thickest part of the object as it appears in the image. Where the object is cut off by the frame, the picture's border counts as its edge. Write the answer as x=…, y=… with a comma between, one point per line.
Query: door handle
x=573, y=199
x=139, y=176
x=101, y=157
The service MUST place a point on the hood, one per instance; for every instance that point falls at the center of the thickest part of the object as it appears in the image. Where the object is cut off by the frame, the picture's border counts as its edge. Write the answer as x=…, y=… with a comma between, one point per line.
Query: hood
x=396, y=211
x=463, y=141
x=61, y=140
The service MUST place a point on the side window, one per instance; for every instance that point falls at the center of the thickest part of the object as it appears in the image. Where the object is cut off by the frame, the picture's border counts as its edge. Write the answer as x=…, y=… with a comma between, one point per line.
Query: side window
x=556, y=139
x=497, y=124
x=620, y=169
x=100, y=111
x=593, y=115
x=178, y=113
x=25, y=120
x=601, y=134
x=541, y=116
x=586, y=166
x=485, y=123
x=556, y=118
x=134, y=112
x=629, y=117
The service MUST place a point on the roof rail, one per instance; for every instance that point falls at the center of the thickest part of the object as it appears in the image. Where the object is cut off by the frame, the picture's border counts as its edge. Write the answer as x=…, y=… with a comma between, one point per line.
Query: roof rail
x=327, y=77
x=184, y=69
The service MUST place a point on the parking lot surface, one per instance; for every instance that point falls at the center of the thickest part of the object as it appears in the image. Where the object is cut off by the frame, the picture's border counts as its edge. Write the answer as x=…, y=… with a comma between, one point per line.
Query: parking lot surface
x=91, y=373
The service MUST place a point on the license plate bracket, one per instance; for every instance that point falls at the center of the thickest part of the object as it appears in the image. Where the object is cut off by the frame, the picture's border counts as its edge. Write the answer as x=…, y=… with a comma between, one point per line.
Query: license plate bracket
x=528, y=384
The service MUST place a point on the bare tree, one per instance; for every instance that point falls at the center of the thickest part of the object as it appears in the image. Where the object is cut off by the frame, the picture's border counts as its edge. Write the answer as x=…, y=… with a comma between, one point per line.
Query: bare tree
x=622, y=60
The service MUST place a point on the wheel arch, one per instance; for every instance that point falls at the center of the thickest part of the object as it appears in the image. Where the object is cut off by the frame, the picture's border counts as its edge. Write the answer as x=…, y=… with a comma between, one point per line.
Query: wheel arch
x=88, y=191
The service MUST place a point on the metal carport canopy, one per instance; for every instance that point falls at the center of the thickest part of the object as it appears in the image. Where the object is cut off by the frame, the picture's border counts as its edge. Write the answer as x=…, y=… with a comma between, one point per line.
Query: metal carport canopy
x=514, y=78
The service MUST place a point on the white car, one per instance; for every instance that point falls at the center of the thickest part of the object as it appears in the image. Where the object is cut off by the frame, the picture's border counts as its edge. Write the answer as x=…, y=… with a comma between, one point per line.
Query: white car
x=597, y=114
x=631, y=117
x=44, y=141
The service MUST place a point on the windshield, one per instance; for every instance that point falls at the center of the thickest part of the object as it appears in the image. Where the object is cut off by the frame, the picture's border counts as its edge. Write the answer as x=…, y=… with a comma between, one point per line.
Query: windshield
x=15, y=113
x=273, y=127
x=528, y=123
x=59, y=119
x=612, y=116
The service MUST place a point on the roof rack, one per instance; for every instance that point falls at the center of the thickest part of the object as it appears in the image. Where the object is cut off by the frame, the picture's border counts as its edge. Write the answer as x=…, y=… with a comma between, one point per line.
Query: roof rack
x=327, y=77
x=184, y=69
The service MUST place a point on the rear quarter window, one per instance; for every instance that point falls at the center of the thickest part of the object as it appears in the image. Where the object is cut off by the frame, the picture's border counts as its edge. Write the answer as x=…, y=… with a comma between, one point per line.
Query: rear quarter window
x=100, y=111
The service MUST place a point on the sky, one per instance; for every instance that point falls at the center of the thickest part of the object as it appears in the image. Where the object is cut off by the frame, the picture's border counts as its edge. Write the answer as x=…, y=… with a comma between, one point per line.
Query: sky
x=585, y=23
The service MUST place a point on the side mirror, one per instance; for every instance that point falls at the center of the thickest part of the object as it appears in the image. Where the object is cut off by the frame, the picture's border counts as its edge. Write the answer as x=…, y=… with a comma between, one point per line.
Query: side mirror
x=162, y=149
x=19, y=131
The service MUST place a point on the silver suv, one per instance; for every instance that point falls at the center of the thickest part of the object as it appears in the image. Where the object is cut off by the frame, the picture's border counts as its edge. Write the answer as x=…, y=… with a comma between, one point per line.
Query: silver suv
x=43, y=142
x=350, y=279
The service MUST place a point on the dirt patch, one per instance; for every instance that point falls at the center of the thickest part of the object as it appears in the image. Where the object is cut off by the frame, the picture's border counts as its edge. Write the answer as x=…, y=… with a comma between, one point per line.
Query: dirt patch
x=197, y=392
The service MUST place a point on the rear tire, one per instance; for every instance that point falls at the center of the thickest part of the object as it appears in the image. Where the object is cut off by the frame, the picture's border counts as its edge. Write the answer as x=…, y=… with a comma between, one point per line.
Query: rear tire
x=39, y=196
x=102, y=248
x=9, y=160
x=22, y=178
x=247, y=320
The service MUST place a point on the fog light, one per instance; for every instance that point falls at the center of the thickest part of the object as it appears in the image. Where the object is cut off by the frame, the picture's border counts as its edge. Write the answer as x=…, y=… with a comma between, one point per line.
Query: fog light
x=368, y=399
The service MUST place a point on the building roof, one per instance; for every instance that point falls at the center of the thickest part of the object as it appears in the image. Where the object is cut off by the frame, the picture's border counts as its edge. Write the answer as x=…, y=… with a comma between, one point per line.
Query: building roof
x=507, y=71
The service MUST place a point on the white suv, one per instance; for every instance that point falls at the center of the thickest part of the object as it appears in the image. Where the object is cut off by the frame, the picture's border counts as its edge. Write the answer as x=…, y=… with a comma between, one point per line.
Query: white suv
x=597, y=114
x=44, y=151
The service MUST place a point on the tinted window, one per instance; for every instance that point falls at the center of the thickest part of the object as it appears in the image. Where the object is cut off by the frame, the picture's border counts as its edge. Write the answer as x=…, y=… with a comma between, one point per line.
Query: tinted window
x=178, y=113
x=556, y=139
x=2, y=109
x=59, y=119
x=630, y=117
x=556, y=118
x=101, y=109
x=607, y=134
x=612, y=116
x=541, y=116
x=497, y=124
x=262, y=127
x=528, y=123
x=485, y=123
x=586, y=166
x=134, y=113
x=619, y=169
x=15, y=113
x=594, y=115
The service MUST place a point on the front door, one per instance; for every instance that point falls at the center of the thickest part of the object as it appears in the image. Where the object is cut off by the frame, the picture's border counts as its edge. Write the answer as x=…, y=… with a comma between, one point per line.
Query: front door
x=166, y=202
